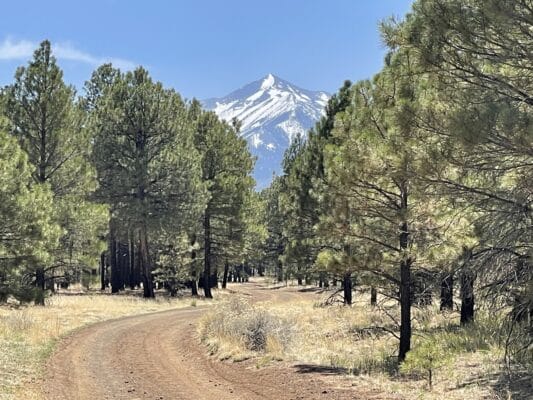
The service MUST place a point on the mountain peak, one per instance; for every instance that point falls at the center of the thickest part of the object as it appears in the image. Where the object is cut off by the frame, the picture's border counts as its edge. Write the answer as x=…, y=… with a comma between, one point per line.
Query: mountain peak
x=268, y=82
x=273, y=112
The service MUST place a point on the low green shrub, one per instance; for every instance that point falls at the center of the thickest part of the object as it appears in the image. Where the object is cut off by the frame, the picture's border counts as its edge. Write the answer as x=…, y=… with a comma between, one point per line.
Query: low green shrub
x=428, y=356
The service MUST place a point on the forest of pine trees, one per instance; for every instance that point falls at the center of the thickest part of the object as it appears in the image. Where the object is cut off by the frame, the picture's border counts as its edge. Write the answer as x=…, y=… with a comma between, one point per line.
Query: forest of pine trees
x=128, y=181
x=416, y=184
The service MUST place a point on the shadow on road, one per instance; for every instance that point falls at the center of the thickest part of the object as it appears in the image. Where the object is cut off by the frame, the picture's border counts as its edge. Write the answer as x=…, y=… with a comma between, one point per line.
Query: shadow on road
x=319, y=369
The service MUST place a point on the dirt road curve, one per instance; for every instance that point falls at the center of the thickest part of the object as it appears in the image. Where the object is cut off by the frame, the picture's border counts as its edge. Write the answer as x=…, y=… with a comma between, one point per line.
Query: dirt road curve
x=158, y=357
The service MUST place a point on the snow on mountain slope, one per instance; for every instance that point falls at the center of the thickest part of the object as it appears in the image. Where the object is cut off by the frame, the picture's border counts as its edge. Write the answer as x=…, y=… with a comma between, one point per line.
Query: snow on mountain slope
x=272, y=112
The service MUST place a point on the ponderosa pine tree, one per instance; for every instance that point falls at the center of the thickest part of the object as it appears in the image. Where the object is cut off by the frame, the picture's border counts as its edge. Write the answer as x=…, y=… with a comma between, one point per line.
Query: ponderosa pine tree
x=147, y=165
x=255, y=231
x=303, y=197
x=28, y=233
x=323, y=196
x=49, y=125
x=374, y=165
x=478, y=54
x=226, y=166
x=297, y=207
x=274, y=221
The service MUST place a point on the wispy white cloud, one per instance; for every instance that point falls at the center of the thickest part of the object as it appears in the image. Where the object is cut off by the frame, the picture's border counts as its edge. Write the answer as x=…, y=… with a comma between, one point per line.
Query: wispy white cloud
x=23, y=50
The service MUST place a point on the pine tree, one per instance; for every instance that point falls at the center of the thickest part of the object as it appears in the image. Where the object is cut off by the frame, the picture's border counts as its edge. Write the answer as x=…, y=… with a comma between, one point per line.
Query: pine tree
x=147, y=165
x=49, y=125
x=274, y=221
x=383, y=212
x=28, y=234
x=226, y=165
x=478, y=55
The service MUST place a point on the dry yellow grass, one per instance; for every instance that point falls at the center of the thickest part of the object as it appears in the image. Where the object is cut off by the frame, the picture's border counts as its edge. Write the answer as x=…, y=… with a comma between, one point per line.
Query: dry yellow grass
x=237, y=330
x=28, y=334
x=343, y=338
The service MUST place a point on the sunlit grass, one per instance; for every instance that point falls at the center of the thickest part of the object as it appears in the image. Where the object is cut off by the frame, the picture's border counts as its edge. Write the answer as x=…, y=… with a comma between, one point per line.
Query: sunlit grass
x=357, y=341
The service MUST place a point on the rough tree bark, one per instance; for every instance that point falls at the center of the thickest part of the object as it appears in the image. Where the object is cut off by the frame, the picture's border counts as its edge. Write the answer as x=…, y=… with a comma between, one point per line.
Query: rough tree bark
x=347, y=289
x=131, y=261
x=225, y=277
x=446, y=292
x=467, y=296
x=373, y=296
x=102, y=271
x=112, y=249
x=148, y=286
x=207, y=256
x=405, y=284
x=40, y=282
x=194, y=278
x=405, y=309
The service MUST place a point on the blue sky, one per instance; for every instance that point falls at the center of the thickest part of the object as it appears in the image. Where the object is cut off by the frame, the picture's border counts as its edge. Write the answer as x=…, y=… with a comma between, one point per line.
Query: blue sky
x=203, y=48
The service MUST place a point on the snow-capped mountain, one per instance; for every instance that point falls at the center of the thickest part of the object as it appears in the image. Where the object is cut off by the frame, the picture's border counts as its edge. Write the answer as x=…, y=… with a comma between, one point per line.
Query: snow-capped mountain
x=272, y=112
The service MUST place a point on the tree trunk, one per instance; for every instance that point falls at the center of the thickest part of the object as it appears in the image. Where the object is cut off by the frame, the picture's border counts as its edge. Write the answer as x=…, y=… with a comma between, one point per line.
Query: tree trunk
x=124, y=265
x=112, y=249
x=131, y=261
x=280, y=271
x=467, y=297
x=148, y=285
x=51, y=284
x=207, y=256
x=373, y=296
x=40, y=281
x=446, y=293
x=194, y=287
x=102, y=271
x=194, y=278
x=405, y=309
x=405, y=293
x=225, y=277
x=137, y=262
x=40, y=278
x=347, y=289
x=213, y=280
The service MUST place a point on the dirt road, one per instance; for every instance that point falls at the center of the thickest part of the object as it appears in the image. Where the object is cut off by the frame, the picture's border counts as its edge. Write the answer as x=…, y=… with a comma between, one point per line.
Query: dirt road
x=158, y=357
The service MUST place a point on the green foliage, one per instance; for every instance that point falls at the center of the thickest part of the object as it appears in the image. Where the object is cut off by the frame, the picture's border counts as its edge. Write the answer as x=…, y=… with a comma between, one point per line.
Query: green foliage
x=274, y=222
x=148, y=168
x=28, y=234
x=440, y=349
x=255, y=231
x=427, y=357
x=50, y=127
x=144, y=146
x=226, y=165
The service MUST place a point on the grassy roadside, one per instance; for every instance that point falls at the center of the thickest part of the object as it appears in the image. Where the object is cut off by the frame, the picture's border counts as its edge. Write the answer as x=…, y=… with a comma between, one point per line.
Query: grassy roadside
x=28, y=334
x=354, y=345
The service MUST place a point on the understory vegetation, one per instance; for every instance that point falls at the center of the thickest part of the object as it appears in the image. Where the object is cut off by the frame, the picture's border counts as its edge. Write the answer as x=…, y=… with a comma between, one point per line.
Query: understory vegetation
x=237, y=330
x=358, y=344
